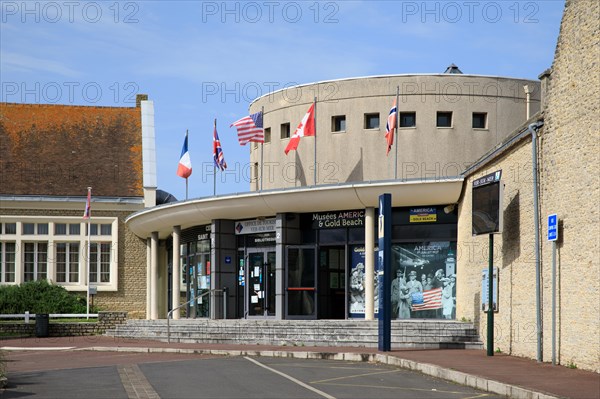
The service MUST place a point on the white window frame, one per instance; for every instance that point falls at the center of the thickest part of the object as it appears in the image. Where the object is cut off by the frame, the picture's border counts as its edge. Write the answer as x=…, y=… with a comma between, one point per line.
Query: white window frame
x=36, y=259
x=52, y=239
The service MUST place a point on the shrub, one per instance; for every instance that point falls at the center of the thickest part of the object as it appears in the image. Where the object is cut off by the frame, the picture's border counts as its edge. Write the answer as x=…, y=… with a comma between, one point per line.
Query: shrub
x=39, y=297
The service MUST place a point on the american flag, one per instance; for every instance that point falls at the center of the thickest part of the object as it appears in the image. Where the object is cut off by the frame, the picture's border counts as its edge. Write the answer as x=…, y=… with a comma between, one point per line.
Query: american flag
x=250, y=128
x=390, y=127
x=431, y=299
x=218, y=156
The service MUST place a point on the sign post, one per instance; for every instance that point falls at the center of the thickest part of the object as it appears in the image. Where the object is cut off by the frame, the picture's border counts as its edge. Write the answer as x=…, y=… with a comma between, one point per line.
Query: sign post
x=384, y=272
x=487, y=218
x=553, y=237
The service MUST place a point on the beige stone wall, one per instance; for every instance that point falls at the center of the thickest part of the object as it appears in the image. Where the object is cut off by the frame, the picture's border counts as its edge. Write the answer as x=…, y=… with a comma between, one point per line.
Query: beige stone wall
x=568, y=156
x=131, y=293
x=570, y=183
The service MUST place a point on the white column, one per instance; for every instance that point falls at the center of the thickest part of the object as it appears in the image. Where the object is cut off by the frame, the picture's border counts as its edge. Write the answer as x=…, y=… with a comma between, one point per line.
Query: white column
x=148, y=278
x=176, y=271
x=369, y=263
x=154, y=276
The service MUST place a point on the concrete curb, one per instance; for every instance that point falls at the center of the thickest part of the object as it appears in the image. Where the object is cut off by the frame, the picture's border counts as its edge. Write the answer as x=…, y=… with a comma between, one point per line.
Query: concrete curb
x=458, y=377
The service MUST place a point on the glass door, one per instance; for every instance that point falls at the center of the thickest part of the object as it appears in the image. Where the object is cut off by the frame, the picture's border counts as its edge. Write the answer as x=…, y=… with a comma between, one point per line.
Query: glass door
x=260, y=286
x=301, y=282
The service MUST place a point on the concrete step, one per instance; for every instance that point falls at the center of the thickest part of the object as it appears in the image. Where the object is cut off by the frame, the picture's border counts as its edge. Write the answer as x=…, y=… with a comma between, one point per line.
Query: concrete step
x=405, y=333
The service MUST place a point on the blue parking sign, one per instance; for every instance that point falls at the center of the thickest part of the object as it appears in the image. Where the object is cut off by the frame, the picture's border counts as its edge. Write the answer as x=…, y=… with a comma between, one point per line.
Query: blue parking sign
x=552, y=227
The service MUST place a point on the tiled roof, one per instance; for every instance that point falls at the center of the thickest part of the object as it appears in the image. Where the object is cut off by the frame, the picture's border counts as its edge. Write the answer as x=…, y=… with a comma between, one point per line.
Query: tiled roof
x=62, y=149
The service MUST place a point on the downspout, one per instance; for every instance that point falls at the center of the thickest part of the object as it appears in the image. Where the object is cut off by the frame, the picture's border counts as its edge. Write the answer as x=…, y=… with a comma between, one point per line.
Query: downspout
x=533, y=129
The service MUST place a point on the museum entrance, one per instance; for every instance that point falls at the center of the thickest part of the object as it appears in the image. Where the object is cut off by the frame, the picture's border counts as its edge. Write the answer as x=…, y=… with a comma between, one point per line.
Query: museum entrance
x=331, y=291
x=260, y=287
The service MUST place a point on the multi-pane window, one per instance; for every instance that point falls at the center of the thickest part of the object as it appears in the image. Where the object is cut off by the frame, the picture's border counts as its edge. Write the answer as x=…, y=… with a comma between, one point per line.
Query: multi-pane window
x=53, y=248
x=35, y=261
x=338, y=123
x=100, y=229
x=372, y=121
x=67, y=262
x=408, y=119
x=100, y=262
x=72, y=229
x=35, y=228
x=7, y=262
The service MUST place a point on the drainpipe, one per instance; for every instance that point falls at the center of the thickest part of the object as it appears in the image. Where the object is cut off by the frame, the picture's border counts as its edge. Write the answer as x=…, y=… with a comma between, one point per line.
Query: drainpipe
x=533, y=129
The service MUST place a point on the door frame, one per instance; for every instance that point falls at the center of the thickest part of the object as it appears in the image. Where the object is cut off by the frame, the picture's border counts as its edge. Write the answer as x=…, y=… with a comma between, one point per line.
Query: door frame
x=314, y=247
x=268, y=314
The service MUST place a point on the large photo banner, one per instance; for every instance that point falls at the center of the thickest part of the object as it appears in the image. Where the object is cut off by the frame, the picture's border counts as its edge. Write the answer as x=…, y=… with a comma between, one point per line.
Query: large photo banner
x=424, y=284
x=357, y=282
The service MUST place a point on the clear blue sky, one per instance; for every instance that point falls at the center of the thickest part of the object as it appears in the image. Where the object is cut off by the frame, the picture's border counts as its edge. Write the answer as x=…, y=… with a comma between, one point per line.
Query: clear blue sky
x=203, y=60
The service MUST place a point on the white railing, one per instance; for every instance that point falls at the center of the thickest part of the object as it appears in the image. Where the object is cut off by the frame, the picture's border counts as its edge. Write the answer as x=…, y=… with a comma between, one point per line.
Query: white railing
x=27, y=316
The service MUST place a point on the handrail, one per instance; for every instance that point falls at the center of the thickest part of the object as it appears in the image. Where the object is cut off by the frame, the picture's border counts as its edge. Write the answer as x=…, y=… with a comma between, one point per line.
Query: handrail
x=170, y=314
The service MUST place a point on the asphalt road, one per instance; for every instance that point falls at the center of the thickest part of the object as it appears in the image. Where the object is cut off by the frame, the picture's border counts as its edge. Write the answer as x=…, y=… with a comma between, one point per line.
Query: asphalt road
x=99, y=375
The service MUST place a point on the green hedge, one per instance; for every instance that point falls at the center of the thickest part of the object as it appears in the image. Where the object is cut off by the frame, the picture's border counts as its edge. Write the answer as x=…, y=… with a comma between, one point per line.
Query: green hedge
x=40, y=297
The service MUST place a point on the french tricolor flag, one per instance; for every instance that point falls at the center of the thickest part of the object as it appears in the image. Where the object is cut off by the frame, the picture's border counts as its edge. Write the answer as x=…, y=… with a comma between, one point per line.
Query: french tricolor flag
x=185, y=164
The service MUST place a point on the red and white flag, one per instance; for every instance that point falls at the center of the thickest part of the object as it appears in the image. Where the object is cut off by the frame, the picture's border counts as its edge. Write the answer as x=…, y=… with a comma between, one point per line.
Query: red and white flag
x=390, y=127
x=184, y=169
x=88, y=205
x=427, y=300
x=250, y=128
x=305, y=128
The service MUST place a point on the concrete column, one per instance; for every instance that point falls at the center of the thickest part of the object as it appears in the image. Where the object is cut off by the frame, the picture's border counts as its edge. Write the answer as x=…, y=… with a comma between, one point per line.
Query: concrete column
x=176, y=271
x=148, y=278
x=154, y=276
x=369, y=263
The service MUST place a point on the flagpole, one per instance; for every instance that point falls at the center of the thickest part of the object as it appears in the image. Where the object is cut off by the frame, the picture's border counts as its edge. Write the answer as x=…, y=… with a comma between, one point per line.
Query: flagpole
x=315, y=123
x=186, y=179
x=262, y=111
x=88, y=256
x=214, y=163
x=397, y=135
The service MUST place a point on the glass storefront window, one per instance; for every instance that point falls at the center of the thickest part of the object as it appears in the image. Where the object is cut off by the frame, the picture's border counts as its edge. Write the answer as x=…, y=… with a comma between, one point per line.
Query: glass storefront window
x=424, y=284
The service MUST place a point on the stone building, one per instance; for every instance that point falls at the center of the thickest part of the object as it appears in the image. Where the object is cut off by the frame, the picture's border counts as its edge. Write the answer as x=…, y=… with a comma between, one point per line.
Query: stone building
x=567, y=156
x=50, y=155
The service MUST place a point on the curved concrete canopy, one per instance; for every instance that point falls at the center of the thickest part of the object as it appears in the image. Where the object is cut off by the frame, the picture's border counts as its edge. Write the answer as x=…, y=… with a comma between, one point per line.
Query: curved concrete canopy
x=251, y=205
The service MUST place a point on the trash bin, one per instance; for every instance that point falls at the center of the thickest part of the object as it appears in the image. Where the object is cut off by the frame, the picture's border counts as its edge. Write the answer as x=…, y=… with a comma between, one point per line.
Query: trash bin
x=42, y=322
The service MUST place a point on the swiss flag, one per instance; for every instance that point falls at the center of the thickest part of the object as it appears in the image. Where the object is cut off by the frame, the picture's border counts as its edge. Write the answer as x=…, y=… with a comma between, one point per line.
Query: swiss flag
x=305, y=128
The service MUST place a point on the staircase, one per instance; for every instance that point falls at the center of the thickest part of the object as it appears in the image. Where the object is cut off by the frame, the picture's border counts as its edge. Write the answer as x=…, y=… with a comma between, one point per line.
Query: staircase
x=418, y=334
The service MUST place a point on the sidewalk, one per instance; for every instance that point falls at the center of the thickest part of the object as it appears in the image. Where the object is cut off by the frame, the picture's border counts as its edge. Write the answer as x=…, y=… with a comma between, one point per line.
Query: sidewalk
x=502, y=374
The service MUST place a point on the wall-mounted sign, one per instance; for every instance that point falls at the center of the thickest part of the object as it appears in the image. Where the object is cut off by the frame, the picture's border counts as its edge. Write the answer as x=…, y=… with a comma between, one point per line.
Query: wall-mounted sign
x=423, y=215
x=487, y=207
x=255, y=226
x=340, y=219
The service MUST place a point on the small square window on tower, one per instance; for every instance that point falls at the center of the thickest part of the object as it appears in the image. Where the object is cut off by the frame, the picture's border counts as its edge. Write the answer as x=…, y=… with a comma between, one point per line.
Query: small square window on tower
x=338, y=123
x=444, y=119
x=285, y=130
x=372, y=121
x=479, y=120
x=408, y=119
